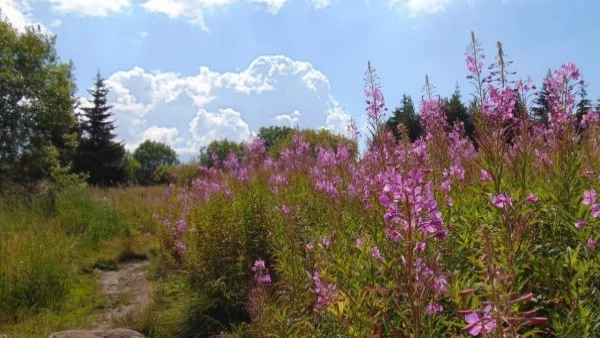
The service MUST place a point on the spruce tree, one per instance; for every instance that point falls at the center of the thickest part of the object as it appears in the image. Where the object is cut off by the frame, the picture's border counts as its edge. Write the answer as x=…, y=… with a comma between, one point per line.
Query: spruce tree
x=455, y=110
x=99, y=155
x=405, y=116
x=584, y=105
x=541, y=107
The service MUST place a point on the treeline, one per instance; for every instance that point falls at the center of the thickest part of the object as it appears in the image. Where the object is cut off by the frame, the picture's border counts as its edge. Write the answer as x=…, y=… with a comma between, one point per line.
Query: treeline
x=46, y=136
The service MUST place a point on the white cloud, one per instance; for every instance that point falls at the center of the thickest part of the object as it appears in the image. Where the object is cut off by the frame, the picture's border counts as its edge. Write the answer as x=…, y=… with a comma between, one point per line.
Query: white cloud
x=17, y=12
x=90, y=7
x=193, y=11
x=212, y=105
x=416, y=7
x=288, y=120
x=337, y=119
x=223, y=124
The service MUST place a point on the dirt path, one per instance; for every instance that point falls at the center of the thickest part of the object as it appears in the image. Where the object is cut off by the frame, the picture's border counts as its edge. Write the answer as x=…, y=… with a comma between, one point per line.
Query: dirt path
x=128, y=290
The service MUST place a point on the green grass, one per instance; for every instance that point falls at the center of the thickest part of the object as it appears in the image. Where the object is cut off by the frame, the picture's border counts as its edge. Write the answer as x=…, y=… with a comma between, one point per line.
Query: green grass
x=50, y=246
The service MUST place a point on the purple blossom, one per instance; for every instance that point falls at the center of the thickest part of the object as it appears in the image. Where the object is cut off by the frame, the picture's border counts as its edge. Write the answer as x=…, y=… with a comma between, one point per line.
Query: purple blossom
x=480, y=323
x=434, y=308
x=532, y=198
x=589, y=197
x=326, y=241
x=579, y=224
x=375, y=253
x=502, y=201
x=485, y=176
x=261, y=273
x=591, y=243
x=326, y=293
x=596, y=210
x=310, y=246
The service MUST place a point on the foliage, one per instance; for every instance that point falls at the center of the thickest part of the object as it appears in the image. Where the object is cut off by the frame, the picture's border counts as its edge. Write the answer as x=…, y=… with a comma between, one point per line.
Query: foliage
x=98, y=154
x=150, y=155
x=37, y=121
x=273, y=134
x=405, y=121
x=424, y=239
x=217, y=151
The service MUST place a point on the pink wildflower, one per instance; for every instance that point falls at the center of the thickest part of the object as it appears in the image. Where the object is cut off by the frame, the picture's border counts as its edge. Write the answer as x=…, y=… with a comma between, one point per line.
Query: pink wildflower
x=502, y=201
x=479, y=323
x=589, y=197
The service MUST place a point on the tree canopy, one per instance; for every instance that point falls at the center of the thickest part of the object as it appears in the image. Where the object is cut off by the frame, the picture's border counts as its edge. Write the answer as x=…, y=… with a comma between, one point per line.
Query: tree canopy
x=37, y=121
x=150, y=155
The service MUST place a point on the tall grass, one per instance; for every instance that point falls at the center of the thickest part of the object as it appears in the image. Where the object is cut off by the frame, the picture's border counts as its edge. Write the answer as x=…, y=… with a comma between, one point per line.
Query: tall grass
x=44, y=239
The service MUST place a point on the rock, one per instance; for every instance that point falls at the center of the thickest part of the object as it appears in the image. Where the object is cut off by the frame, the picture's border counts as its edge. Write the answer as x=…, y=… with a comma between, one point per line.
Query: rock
x=116, y=333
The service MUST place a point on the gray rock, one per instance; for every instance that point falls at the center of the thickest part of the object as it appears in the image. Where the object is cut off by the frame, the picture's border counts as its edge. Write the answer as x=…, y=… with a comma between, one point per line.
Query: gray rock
x=116, y=333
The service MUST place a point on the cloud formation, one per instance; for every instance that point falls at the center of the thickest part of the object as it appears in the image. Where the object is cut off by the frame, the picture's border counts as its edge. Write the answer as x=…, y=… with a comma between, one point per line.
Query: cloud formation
x=193, y=11
x=189, y=112
x=17, y=12
x=418, y=7
x=90, y=7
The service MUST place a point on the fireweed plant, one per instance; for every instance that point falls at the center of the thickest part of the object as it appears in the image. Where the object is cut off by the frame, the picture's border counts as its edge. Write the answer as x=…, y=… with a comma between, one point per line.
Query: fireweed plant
x=494, y=236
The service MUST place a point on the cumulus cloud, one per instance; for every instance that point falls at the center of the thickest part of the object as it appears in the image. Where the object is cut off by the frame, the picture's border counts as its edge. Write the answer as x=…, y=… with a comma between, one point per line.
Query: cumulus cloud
x=188, y=112
x=90, y=7
x=287, y=120
x=417, y=7
x=17, y=12
x=223, y=124
x=193, y=11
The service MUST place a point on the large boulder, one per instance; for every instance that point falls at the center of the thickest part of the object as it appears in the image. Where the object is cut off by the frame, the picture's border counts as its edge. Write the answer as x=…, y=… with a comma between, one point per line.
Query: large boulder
x=116, y=333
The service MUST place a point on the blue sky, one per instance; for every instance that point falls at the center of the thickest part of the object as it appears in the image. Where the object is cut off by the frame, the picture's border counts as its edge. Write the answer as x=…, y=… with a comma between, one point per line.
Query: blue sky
x=186, y=72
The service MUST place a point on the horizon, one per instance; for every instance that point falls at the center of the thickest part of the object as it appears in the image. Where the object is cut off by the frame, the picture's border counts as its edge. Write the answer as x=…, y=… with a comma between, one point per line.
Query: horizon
x=294, y=62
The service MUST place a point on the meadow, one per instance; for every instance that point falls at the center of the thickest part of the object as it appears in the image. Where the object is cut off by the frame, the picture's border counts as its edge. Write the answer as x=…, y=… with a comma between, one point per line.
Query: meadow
x=492, y=234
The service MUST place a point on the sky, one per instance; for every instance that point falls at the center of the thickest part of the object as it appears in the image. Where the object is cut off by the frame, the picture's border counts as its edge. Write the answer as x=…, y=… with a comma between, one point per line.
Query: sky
x=186, y=72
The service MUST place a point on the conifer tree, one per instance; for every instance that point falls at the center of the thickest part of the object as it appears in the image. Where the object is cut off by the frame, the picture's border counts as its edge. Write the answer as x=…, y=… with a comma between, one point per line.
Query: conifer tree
x=99, y=155
x=541, y=107
x=455, y=110
x=405, y=119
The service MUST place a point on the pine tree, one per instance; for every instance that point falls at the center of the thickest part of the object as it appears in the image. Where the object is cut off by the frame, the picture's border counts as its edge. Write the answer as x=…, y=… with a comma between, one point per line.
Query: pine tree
x=584, y=105
x=98, y=154
x=455, y=110
x=541, y=107
x=405, y=116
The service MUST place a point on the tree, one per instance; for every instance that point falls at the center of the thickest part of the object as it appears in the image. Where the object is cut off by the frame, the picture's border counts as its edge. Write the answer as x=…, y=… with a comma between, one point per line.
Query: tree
x=405, y=116
x=455, y=110
x=273, y=134
x=221, y=148
x=98, y=154
x=584, y=105
x=541, y=107
x=36, y=107
x=151, y=155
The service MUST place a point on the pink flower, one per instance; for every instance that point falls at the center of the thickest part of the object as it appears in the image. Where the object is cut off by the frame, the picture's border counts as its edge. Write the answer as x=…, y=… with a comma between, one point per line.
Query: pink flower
x=579, y=224
x=485, y=176
x=434, y=308
x=261, y=273
x=532, y=198
x=596, y=210
x=502, y=201
x=592, y=244
x=479, y=323
x=326, y=241
x=359, y=242
x=375, y=253
x=589, y=197
x=310, y=246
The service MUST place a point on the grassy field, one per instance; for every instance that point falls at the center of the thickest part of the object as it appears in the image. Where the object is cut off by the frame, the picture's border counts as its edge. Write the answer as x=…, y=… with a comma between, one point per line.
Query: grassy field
x=50, y=247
